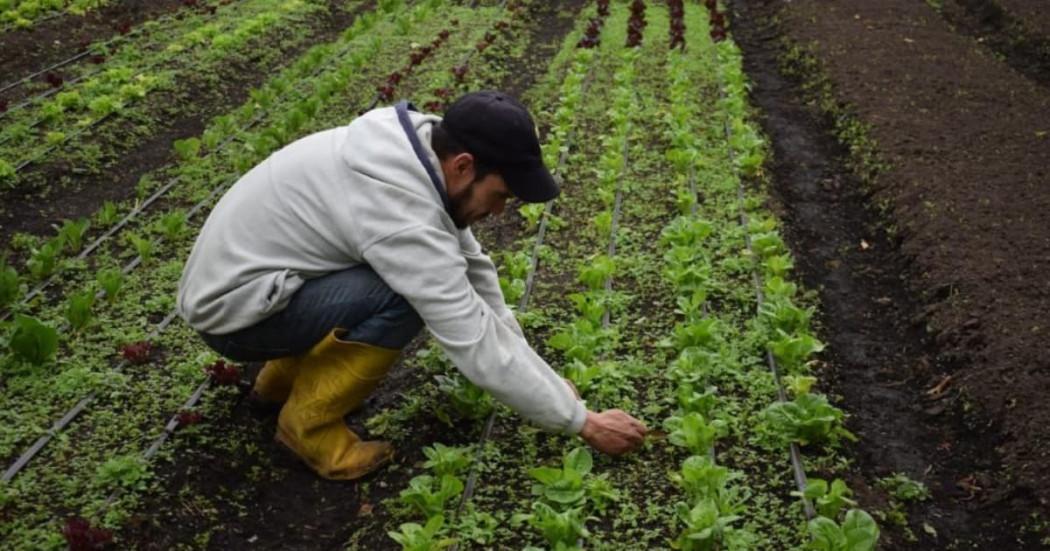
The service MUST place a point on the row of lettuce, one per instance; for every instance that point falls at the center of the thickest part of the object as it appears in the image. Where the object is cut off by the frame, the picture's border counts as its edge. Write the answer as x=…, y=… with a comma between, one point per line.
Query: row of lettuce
x=724, y=398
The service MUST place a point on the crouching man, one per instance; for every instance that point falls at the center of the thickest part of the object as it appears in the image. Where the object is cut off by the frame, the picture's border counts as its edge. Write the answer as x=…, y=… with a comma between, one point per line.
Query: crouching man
x=328, y=257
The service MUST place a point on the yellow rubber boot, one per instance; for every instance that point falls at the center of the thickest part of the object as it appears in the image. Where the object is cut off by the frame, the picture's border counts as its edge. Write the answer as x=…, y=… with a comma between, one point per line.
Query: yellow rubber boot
x=333, y=378
x=274, y=383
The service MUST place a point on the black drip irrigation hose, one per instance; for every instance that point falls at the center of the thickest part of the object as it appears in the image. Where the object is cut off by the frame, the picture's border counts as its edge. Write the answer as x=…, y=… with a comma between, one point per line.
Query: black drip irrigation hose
x=530, y=279
x=73, y=412
x=80, y=131
x=794, y=452
x=93, y=48
x=139, y=208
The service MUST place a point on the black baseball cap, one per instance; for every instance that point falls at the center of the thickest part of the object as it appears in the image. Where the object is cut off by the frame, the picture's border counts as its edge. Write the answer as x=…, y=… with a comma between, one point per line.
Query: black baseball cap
x=498, y=130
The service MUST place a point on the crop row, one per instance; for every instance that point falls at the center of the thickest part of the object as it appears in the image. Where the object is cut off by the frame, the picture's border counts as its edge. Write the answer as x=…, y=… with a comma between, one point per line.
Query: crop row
x=61, y=123
x=716, y=391
x=22, y=14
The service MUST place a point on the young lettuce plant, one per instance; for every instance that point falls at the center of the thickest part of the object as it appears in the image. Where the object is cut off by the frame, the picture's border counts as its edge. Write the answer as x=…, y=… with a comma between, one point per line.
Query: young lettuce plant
x=858, y=532
x=570, y=486
x=694, y=432
x=792, y=352
x=830, y=499
x=429, y=494
x=32, y=340
x=413, y=537
x=705, y=526
x=78, y=309
x=808, y=419
x=562, y=529
x=111, y=280
x=467, y=399
x=446, y=460
x=72, y=233
x=10, y=284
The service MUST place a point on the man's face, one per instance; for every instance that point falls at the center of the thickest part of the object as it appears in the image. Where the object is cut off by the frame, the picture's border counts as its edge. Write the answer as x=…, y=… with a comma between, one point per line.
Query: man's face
x=478, y=199
x=472, y=199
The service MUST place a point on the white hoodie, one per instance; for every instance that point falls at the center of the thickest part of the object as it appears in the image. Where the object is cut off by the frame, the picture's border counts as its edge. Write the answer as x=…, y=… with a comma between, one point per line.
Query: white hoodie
x=358, y=194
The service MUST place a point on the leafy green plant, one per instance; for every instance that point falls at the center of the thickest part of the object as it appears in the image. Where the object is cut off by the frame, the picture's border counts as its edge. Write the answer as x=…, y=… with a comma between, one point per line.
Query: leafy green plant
x=569, y=486
x=705, y=526
x=561, y=529
x=783, y=315
x=413, y=537
x=143, y=246
x=111, y=280
x=903, y=488
x=173, y=224
x=126, y=471
x=78, y=309
x=429, y=494
x=579, y=340
x=691, y=401
x=72, y=233
x=701, y=478
x=10, y=284
x=596, y=271
x=32, y=340
x=107, y=214
x=829, y=499
x=702, y=333
x=858, y=532
x=808, y=419
x=466, y=398
x=43, y=261
x=694, y=432
x=442, y=459
x=793, y=352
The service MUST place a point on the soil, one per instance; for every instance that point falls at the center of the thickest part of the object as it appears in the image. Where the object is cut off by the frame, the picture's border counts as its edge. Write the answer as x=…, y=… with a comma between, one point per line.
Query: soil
x=180, y=114
x=269, y=492
x=932, y=276
x=1018, y=31
x=27, y=51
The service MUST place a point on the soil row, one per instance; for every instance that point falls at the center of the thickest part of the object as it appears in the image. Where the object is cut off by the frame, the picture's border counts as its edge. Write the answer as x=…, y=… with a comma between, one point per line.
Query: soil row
x=951, y=142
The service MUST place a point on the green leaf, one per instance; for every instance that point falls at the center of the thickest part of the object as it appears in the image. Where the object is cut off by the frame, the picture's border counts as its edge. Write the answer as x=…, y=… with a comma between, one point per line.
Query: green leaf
x=33, y=341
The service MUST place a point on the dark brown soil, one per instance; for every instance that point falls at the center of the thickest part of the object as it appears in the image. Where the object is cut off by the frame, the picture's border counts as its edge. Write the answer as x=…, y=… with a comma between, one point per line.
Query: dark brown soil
x=286, y=506
x=179, y=114
x=1016, y=30
x=23, y=52
x=957, y=287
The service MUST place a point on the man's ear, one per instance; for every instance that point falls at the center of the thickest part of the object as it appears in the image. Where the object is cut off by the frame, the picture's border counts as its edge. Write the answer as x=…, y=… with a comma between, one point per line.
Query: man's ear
x=463, y=163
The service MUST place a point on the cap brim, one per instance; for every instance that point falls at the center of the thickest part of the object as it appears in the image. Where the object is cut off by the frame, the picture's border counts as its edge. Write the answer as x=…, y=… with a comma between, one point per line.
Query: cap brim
x=532, y=185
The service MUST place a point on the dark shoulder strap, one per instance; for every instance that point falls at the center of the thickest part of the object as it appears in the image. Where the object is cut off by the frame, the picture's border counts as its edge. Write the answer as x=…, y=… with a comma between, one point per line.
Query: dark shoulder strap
x=402, y=109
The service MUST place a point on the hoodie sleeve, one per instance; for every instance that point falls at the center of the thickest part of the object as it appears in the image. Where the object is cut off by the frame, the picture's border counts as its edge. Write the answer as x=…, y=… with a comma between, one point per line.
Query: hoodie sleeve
x=426, y=266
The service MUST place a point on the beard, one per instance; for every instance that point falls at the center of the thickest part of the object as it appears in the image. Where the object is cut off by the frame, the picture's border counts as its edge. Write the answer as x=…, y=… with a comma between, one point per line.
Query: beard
x=460, y=207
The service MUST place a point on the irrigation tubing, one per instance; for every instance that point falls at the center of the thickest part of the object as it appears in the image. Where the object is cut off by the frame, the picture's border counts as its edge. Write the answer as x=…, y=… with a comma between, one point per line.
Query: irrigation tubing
x=73, y=412
x=94, y=48
x=80, y=131
x=798, y=470
x=139, y=208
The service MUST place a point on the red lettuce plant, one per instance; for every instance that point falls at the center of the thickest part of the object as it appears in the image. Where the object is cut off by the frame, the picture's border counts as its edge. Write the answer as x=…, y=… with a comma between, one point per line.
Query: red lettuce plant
x=81, y=536
x=223, y=373
x=136, y=353
x=188, y=417
x=636, y=24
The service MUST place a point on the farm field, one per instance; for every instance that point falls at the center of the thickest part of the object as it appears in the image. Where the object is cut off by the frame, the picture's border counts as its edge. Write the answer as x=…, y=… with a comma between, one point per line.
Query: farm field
x=826, y=306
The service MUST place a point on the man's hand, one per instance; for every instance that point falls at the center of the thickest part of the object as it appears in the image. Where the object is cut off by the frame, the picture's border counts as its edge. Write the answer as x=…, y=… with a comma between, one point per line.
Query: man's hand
x=613, y=432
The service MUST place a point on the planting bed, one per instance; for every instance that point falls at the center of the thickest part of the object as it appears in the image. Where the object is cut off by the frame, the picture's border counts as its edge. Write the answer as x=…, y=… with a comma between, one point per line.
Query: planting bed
x=812, y=269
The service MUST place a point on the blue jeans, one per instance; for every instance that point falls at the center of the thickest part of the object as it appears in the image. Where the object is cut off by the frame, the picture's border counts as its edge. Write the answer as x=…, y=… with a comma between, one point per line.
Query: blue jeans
x=356, y=300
